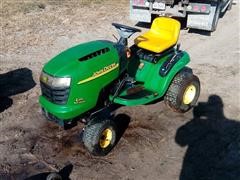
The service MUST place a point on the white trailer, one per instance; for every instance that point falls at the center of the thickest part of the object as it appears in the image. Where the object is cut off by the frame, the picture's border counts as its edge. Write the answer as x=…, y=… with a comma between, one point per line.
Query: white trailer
x=200, y=14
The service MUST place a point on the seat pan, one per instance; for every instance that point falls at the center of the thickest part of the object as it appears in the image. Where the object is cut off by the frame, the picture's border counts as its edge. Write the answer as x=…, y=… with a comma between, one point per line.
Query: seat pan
x=163, y=34
x=153, y=42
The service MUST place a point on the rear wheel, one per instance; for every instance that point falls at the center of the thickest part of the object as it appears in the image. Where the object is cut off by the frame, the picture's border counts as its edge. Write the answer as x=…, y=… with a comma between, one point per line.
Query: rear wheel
x=216, y=18
x=99, y=136
x=183, y=92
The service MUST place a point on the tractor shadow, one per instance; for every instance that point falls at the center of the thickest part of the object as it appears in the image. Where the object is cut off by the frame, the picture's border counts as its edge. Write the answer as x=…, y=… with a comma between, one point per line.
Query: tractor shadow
x=63, y=174
x=122, y=121
x=200, y=32
x=13, y=83
x=213, y=143
x=143, y=25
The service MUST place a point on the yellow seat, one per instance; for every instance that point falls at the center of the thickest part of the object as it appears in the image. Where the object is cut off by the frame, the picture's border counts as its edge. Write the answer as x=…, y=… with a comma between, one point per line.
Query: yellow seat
x=163, y=34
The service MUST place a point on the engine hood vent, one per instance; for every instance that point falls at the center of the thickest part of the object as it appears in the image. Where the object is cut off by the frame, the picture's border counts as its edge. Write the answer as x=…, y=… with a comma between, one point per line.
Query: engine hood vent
x=94, y=54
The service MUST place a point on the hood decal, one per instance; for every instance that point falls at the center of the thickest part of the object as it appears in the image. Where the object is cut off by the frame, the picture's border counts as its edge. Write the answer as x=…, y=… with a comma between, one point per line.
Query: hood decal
x=100, y=73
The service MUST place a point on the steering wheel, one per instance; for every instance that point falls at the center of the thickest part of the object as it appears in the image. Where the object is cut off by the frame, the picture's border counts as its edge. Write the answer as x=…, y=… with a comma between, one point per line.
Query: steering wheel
x=125, y=31
x=126, y=28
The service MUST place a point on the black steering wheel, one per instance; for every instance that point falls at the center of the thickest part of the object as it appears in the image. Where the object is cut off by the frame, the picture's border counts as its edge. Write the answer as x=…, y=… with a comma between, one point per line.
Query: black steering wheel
x=125, y=28
x=125, y=32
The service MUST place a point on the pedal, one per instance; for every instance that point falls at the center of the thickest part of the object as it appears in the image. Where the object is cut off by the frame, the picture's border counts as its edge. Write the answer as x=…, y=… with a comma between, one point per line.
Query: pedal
x=130, y=80
x=134, y=90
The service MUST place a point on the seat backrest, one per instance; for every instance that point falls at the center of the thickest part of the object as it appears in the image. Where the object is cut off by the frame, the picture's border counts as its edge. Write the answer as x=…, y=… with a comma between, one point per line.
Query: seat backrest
x=166, y=28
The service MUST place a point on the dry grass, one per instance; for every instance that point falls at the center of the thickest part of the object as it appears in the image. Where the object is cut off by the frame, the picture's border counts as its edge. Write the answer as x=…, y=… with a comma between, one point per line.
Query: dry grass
x=13, y=7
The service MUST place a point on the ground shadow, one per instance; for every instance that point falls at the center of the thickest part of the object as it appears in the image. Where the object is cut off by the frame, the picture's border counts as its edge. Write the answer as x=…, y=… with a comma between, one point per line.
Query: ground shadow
x=143, y=25
x=63, y=174
x=12, y=83
x=5, y=103
x=122, y=121
x=200, y=32
x=213, y=144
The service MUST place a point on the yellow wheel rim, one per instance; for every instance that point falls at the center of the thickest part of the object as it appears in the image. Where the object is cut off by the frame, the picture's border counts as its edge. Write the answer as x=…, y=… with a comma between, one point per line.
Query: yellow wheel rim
x=105, y=138
x=189, y=94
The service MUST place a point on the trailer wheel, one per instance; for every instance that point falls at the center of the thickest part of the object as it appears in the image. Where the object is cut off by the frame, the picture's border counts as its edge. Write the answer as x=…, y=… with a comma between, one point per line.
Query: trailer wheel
x=99, y=136
x=216, y=18
x=183, y=92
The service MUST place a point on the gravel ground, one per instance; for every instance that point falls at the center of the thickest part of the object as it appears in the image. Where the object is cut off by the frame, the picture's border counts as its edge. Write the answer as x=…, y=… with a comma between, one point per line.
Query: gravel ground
x=202, y=144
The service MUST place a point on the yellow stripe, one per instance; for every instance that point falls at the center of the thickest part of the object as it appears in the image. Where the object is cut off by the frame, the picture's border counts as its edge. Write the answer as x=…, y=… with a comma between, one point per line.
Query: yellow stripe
x=97, y=76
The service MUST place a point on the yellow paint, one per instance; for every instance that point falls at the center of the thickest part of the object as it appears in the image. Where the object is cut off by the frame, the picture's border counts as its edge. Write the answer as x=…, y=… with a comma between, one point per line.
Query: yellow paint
x=141, y=65
x=189, y=94
x=100, y=73
x=79, y=101
x=106, y=138
x=44, y=79
x=163, y=34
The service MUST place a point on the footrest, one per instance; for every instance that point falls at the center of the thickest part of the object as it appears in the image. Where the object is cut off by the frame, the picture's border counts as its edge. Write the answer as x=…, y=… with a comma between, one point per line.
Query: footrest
x=136, y=96
x=140, y=93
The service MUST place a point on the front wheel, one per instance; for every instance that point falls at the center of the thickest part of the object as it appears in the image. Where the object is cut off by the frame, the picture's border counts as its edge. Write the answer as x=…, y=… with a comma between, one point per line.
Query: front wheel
x=99, y=137
x=183, y=92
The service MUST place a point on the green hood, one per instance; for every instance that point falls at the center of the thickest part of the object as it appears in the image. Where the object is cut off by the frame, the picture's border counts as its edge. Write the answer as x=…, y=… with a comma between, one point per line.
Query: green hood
x=64, y=63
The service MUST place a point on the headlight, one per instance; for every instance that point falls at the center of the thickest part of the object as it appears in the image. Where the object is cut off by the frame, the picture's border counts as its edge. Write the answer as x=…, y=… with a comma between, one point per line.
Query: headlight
x=56, y=82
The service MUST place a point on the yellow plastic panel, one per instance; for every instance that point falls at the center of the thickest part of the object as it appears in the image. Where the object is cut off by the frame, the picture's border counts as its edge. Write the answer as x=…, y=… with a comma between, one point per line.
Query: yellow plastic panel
x=163, y=34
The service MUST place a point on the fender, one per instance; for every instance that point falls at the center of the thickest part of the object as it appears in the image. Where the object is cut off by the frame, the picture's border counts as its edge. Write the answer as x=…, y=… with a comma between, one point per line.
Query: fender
x=164, y=72
x=169, y=63
x=170, y=68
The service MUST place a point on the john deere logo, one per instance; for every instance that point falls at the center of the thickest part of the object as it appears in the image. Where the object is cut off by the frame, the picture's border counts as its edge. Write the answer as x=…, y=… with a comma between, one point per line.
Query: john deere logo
x=100, y=73
x=105, y=70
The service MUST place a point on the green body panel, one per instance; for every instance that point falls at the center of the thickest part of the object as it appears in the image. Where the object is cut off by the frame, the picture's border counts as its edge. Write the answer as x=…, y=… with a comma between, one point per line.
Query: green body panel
x=151, y=79
x=90, y=76
x=67, y=64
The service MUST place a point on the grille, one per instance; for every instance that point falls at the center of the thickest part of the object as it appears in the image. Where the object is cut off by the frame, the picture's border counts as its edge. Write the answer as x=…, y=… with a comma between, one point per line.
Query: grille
x=55, y=95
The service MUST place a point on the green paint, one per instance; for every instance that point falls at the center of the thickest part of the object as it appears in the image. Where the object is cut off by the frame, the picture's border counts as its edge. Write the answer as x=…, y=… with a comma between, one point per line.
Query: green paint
x=89, y=77
x=152, y=81
x=67, y=64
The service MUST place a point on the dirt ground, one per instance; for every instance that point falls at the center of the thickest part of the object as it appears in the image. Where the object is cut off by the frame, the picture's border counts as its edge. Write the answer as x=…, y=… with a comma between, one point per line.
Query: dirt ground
x=158, y=143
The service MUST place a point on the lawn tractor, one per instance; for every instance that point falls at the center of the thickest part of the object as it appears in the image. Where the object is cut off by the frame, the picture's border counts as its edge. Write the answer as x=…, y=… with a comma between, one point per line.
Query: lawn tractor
x=88, y=82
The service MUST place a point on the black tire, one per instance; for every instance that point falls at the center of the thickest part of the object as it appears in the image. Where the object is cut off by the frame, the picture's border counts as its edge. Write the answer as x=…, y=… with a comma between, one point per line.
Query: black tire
x=230, y=5
x=93, y=136
x=174, y=97
x=54, y=176
x=216, y=18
